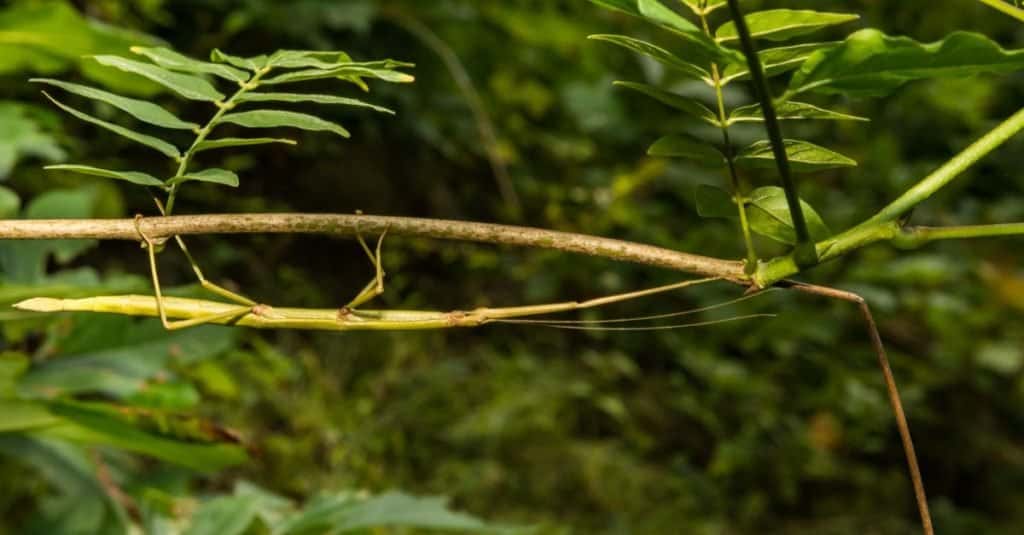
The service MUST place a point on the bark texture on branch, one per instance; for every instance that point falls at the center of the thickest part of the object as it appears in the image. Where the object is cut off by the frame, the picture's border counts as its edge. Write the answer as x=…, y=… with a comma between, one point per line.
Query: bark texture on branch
x=349, y=225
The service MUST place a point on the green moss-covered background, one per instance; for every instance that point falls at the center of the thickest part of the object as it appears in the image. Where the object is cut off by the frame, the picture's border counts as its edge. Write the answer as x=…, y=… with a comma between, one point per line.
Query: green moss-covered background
x=774, y=426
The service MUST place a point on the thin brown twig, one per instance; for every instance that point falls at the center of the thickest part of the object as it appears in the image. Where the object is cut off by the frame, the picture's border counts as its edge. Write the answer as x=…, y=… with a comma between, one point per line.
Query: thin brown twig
x=890, y=385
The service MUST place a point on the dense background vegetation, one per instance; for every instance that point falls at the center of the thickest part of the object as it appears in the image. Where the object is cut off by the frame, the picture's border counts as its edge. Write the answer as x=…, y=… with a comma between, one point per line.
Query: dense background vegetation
x=779, y=426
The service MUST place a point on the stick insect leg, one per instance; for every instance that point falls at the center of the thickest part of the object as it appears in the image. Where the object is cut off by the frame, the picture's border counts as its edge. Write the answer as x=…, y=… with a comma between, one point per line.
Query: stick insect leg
x=890, y=384
x=182, y=324
x=206, y=284
x=376, y=286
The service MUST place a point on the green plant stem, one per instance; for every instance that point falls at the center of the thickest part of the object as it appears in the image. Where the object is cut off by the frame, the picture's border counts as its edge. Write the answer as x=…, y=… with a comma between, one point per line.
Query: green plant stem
x=912, y=237
x=805, y=250
x=952, y=169
x=730, y=159
x=222, y=108
x=1005, y=8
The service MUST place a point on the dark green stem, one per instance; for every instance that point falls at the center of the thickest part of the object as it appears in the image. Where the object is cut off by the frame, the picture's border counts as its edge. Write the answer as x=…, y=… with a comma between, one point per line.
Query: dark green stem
x=805, y=252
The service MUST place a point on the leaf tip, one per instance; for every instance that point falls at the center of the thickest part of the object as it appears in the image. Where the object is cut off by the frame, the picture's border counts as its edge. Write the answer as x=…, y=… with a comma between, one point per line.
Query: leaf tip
x=40, y=304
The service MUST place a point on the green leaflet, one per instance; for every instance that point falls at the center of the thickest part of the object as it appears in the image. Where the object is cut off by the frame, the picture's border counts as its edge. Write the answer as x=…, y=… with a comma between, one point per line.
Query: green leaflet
x=174, y=61
x=134, y=177
x=679, y=102
x=655, y=11
x=870, y=63
x=215, y=176
x=185, y=85
x=254, y=63
x=790, y=110
x=783, y=24
x=300, y=59
x=656, y=53
x=715, y=202
x=803, y=156
x=140, y=109
x=682, y=146
x=211, y=144
x=158, y=144
x=304, y=97
x=776, y=61
x=768, y=215
x=386, y=73
x=276, y=118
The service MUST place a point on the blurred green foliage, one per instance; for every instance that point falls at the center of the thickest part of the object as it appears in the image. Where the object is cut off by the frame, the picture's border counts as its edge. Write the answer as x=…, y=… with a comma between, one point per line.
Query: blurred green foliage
x=778, y=427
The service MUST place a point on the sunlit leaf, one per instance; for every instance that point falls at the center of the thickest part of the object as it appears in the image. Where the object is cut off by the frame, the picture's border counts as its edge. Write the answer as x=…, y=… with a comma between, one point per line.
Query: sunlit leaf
x=681, y=146
x=174, y=61
x=387, y=74
x=134, y=177
x=655, y=11
x=870, y=63
x=768, y=215
x=211, y=144
x=776, y=61
x=305, y=97
x=160, y=145
x=302, y=59
x=803, y=156
x=714, y=202
x=190, y=87
x=656, y=53
x=790, y=110
x=783, y=24
x=685, y=104
x=278, y=118
x=215, y=176
x=140, y=109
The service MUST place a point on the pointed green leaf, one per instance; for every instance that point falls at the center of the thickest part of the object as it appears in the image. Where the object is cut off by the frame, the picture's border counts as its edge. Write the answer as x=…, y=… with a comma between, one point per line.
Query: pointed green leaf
x=210, y=144
x=870, y=63
x=304, y=97
x=140, y=109
x=174, y=61
x=679, y=102
x=134, y=177
x=768, y=215
x=190, y=87
x=803, y=156
x=790, y=111
x=656, y=53
x=276, y=118
x=656, y=11
x=215, y=176
x=681, y=146
x=254, y=63
x=776, y=61
x=783, y=24
x=715, y=202
x=357, y=70
x=302, y=59
x=150, y=141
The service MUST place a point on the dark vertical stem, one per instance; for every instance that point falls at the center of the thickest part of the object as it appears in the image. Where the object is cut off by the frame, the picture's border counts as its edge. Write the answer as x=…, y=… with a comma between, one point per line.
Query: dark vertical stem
x=891, y=388
x=805, y=252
